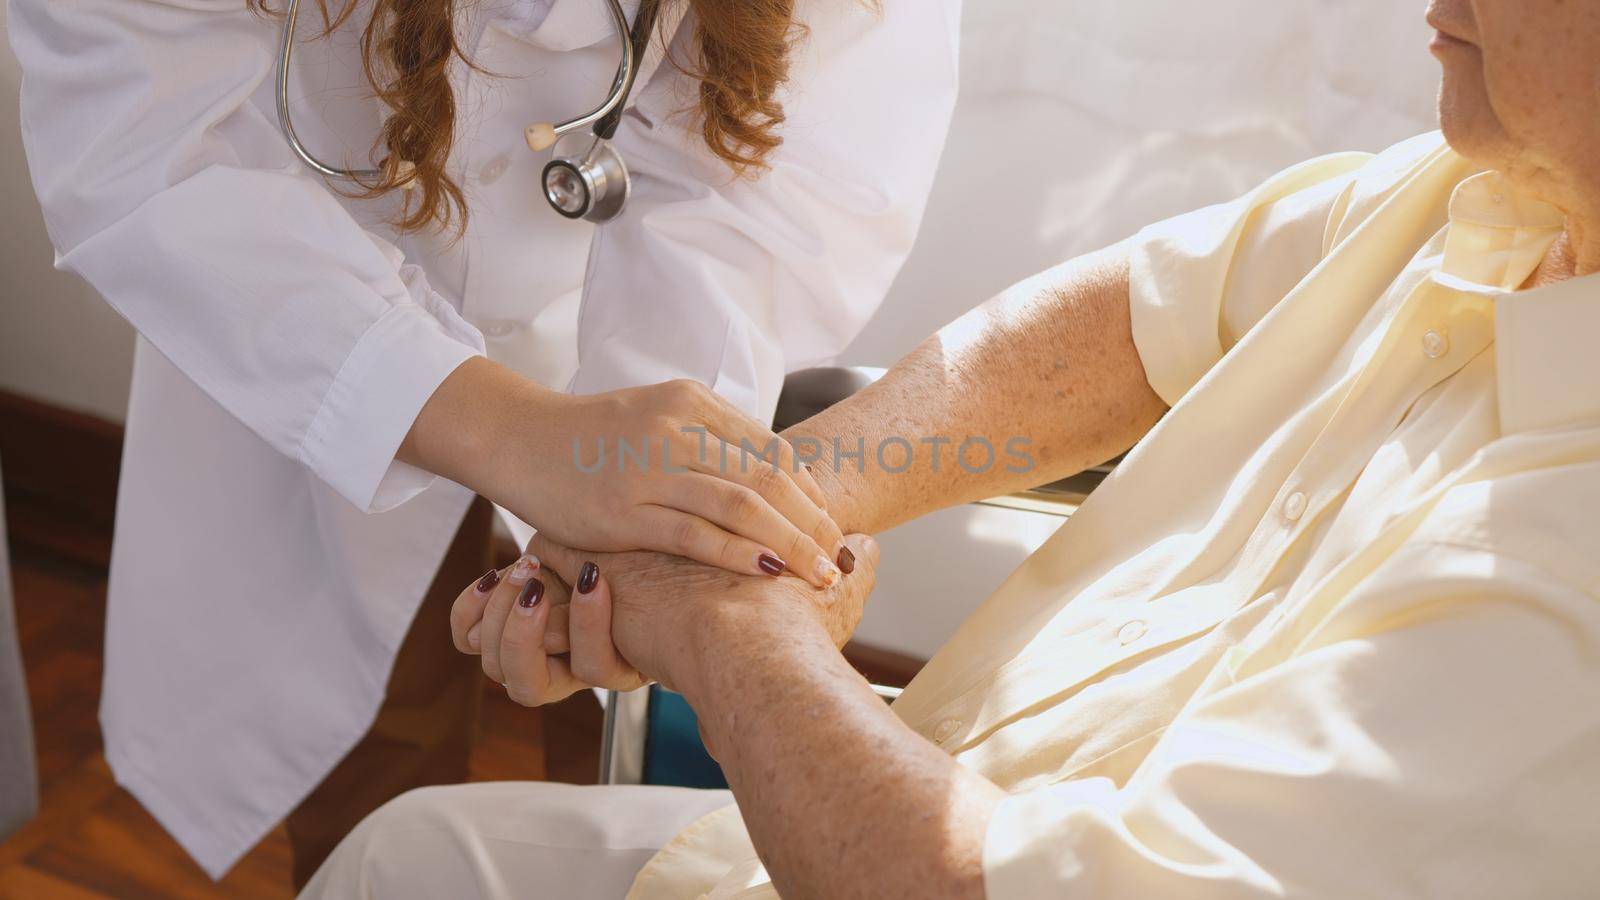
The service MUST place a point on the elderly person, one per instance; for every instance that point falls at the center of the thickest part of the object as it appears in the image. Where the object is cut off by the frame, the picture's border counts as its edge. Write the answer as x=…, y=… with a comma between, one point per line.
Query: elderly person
x=1332, y=629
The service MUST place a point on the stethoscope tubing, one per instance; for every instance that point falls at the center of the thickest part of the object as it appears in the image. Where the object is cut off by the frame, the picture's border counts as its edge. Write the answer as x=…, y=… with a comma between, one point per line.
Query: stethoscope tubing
x=286, y=120
x=622, y=84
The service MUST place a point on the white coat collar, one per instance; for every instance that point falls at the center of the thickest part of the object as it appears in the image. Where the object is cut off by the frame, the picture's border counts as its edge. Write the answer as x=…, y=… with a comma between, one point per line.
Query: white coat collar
x=559, y=25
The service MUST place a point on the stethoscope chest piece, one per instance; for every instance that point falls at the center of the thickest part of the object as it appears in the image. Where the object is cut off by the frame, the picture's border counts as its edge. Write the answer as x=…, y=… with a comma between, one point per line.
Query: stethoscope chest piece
x=586, y=179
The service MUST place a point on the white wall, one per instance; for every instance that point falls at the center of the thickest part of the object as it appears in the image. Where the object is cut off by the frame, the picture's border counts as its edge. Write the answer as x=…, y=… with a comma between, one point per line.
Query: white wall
x=1080, y=121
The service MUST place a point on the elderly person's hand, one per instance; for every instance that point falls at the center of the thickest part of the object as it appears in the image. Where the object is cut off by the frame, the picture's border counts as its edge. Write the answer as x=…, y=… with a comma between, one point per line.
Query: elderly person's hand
x=632, y=617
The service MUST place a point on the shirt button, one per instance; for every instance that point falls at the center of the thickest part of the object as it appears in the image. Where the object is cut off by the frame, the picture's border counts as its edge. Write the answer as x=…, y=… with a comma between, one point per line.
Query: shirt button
x=1294, y=506
x=498, y=329
x=1132, y=631
x=946, y=730
x=492, y=172
x=1435, y=344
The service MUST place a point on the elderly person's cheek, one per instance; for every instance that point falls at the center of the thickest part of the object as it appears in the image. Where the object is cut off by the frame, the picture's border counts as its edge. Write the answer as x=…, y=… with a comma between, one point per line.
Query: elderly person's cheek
x=1489, y=104
x=1541, y=65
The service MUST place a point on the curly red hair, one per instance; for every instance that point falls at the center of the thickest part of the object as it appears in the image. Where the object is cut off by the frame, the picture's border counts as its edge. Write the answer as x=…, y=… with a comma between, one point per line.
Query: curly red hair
x=741, y=59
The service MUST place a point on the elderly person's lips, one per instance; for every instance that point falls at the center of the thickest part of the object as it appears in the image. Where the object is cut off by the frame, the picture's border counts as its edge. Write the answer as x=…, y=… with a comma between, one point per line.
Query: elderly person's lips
x=1449, y=34
x=1445, y=41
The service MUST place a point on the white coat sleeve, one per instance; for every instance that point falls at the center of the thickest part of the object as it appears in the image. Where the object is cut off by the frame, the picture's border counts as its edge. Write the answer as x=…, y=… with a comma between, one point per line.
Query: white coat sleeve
x=734, y=282
x=172, y=193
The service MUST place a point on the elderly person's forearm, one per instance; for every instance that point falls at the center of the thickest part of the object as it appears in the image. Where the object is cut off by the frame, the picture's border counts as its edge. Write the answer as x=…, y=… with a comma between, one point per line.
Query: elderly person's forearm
x=841, y=798
x=1046, y=376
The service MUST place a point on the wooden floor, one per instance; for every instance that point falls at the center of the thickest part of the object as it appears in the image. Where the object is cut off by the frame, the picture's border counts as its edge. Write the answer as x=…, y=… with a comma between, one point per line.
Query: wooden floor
x=91, y=839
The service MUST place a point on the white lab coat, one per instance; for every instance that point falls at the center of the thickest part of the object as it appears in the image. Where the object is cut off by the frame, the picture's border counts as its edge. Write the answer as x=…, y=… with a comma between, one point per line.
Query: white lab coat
x=270, y=551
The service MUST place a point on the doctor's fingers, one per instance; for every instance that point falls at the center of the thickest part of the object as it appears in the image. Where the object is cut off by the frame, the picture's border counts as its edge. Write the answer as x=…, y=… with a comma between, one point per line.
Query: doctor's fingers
x=520, y=584
x=533, y=677
x=841, y=607
x=595, y=659
x=680, y=533
x=776, y=483
x=730, y=424
x=467, y=611
x=689, y=535
x=750, y=524
x=556, y=639
x=558, y=558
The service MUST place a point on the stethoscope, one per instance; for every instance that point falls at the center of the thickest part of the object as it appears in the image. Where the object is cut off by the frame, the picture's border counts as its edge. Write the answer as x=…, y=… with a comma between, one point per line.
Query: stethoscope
x=585, y=178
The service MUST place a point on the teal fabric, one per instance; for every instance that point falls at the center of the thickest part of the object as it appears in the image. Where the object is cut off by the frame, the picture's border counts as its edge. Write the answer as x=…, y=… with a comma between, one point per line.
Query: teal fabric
x=673, y=753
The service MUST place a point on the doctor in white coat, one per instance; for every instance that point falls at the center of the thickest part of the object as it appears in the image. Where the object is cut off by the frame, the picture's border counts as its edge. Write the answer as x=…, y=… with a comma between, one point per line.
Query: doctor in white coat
x=308, y=369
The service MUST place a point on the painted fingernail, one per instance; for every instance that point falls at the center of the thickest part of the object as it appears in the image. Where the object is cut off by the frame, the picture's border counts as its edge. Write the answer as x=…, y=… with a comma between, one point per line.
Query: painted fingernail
x=588, y=577
x=488, y=581
x=528, y=600
x=847, y=560
x=770, y=564
x=475, y=636
x=524, y=569
x=827, y=572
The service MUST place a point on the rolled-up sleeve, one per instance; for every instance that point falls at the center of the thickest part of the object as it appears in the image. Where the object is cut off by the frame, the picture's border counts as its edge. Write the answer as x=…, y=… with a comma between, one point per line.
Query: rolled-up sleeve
x=1200, y=281
x=735, y=281
x=1434, y=736
x=166, y=187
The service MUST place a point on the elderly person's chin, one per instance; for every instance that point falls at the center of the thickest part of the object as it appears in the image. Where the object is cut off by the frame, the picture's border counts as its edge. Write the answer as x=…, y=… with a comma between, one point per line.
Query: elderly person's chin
x=1521, y=91
x=1465, y=114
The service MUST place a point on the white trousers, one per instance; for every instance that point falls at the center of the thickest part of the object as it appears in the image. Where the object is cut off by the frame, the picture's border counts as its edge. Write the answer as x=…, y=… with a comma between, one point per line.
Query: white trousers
x=528, y=840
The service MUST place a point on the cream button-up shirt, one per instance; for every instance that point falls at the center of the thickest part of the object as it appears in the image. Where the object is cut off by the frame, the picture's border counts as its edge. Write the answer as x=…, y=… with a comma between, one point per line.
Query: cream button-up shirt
x=1334, y=627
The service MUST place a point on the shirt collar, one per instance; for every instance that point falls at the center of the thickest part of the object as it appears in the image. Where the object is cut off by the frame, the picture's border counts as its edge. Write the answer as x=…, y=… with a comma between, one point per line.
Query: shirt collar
x=1545, y=339
x=1549, y=367
x=1497, y=236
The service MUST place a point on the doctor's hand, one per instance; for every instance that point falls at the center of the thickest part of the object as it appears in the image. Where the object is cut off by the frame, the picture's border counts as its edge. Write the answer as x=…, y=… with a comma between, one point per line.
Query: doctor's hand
x=511, y=618
x=670, y=467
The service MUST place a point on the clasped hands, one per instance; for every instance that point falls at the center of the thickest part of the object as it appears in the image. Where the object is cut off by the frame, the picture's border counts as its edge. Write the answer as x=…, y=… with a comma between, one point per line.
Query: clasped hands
x=560, y=620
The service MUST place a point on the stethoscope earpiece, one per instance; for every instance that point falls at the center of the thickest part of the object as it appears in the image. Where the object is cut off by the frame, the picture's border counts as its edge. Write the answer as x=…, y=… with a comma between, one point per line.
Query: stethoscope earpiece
x=541, y=136
x=406, y=175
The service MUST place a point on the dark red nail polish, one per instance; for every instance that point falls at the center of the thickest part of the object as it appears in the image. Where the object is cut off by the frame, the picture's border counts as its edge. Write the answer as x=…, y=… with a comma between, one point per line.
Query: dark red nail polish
x=488, y=581
x=770, y=564
x=532, y=593
x=588, y=577
x=847, y=560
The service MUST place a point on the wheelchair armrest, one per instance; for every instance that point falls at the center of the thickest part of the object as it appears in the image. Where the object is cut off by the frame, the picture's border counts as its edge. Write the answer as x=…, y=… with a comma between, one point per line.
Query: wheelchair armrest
x=810, y=391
